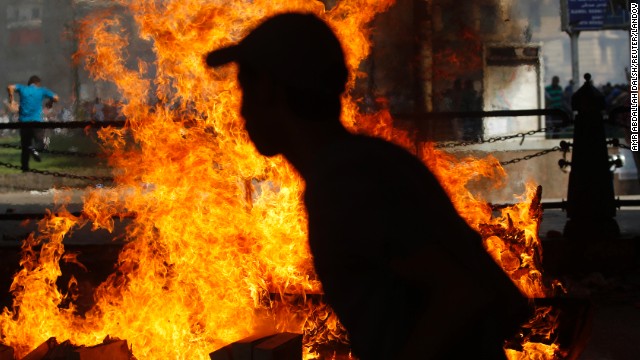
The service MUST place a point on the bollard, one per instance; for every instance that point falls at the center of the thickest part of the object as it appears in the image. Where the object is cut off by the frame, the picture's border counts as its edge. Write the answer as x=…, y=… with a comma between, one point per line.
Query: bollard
x=591, y=205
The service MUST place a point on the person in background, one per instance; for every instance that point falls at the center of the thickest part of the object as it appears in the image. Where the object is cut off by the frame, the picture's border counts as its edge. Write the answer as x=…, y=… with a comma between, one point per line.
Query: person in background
x=568, y=93
x=453, y=96
x=97, y=110
x=471, y=101
x=611, y=96
x=32, y=97
x=554, y=99
x=405, y=274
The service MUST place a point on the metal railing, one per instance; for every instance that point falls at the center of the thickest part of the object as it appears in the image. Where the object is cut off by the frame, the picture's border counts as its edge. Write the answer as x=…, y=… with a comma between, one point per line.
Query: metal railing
x=421, y=118
x=59, y=125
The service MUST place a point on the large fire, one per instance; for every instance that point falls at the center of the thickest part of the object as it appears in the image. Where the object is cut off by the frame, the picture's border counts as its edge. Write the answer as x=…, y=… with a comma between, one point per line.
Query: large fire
x=219, y=231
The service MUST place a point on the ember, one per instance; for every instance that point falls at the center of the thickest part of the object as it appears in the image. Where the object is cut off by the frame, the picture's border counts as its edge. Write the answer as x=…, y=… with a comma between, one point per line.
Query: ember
x=218, y=228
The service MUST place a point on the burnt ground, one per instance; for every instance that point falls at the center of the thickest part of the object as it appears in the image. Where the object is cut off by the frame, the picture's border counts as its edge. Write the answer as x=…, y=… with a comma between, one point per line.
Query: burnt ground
x=604, y=274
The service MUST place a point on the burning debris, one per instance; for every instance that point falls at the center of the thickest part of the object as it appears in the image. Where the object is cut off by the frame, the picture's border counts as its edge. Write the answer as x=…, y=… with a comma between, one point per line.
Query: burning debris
x=283, y=346
x=110, y=349
x=510, y=247
x=6, y=352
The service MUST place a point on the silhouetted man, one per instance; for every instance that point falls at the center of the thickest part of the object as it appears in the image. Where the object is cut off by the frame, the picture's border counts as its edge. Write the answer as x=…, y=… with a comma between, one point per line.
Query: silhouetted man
x=31, y=98
x=405, y=274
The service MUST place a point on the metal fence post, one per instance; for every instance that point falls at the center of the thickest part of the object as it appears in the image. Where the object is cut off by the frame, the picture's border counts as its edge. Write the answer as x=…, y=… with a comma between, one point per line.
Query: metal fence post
x=591, y=205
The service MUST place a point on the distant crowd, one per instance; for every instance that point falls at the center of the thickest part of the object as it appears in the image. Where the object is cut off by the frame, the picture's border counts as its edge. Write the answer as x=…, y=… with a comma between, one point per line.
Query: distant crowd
x=559, y=98
x=615, y=95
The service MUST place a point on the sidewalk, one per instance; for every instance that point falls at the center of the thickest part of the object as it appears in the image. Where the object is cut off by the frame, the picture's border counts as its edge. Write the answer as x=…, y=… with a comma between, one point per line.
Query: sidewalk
x=38, y=202
x=608, y=275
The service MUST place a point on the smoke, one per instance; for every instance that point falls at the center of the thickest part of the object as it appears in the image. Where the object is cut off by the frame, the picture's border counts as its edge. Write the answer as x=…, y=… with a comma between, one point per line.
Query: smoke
x=421, y=48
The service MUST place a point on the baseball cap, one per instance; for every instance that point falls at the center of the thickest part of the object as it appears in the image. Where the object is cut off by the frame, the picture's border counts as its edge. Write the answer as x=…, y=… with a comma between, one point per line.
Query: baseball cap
x=299, y=50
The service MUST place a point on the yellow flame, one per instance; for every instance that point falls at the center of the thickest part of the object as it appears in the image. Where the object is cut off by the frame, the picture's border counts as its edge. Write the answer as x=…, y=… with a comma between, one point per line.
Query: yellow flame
x=218, y=228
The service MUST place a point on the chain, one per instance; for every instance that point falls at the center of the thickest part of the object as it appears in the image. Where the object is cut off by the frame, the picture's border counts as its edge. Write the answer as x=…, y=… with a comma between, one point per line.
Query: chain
x=528, y=157
x=70, y=153
x=10, y=166
x=53, y=152
x=59, y=174
x=613, y=123
x=446, y=145
x=11, y=146
x=616, y=143
x=496, y=139
x=72, y=176
x=522, y=135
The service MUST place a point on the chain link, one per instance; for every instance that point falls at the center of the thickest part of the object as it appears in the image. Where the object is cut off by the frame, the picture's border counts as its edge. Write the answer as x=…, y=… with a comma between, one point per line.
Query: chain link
x=528, y=157
x=70, y=153
x=448, y=145
x=496, y=139
x=522, y=135
x=54, y=152
x=72, y=176
x=59, y=174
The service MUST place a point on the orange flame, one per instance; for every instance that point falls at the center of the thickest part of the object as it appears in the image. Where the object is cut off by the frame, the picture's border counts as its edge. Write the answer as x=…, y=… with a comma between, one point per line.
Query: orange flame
x=220, y=231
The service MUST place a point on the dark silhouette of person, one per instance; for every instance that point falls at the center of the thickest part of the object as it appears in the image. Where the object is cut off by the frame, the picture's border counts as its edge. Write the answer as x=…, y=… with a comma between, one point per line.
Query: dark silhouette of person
x=31, y=98
x=471, y=101
x=554, y=99
x=407, y=277
x=451, y=98
x=567, y=94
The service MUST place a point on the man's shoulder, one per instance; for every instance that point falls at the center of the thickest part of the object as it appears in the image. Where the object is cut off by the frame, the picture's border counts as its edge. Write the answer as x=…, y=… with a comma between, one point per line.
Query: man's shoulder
x=372, y=159
x=368, y=143
x=45, y=90
x=360, y=148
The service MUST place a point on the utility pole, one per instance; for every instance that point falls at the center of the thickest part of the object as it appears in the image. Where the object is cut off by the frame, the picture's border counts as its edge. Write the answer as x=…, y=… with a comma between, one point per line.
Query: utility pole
x=423, y=83
x=590, y=15
x=75, y=68
x=574, y=35
x=3, y=46
x=575, y=57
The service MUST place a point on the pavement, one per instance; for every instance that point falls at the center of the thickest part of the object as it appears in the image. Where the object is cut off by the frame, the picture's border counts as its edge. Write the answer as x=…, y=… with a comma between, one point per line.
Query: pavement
x=605, y=273
x=16, y=203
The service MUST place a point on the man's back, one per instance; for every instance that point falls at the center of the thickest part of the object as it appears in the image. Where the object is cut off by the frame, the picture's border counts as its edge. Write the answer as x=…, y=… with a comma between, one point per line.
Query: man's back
x=372, y=205
x=31, y=98
x=554, y=96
